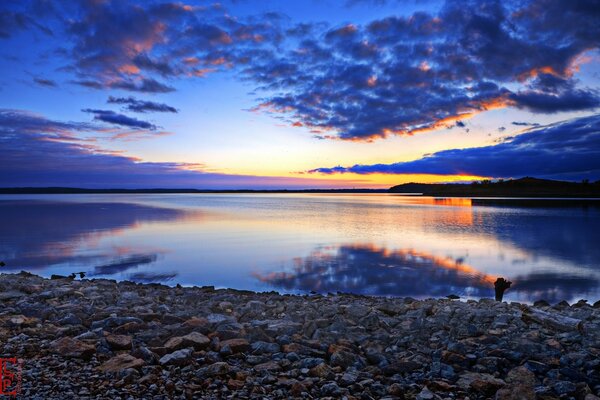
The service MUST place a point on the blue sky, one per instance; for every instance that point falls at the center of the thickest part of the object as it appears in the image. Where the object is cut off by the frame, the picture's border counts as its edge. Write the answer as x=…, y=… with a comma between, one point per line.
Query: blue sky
x=272, y=94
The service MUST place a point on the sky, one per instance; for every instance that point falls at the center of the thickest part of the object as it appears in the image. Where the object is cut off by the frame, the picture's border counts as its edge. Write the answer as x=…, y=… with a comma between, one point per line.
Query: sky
x=268, y=94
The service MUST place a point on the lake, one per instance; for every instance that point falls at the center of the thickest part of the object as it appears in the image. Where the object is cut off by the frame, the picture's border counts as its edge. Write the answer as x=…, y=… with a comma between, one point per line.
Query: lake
x=379, y=244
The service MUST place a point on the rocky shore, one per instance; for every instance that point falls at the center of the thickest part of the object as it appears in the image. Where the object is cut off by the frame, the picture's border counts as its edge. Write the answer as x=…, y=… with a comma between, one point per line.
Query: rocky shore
x=121, y=340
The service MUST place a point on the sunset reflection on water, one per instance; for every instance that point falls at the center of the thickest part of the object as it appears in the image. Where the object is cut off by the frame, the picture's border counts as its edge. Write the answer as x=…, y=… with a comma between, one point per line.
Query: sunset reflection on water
x=377, y=243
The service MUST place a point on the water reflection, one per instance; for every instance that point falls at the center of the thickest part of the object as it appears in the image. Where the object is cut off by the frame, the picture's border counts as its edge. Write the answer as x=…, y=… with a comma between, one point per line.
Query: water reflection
x=375, y=244
x=366, y=269
x=39, y=234
x=125, y=263
x=149, y=277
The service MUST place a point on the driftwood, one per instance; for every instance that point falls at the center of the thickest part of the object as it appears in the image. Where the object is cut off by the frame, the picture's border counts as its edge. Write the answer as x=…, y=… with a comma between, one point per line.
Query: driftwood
x=500, y=287
x=551, y=320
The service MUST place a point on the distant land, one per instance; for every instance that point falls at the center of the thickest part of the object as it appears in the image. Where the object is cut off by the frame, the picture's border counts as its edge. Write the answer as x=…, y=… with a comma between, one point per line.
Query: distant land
x=523, y=187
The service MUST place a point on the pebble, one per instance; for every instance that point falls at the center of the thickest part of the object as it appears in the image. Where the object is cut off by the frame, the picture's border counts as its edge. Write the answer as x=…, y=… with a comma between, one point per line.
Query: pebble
x=98, y=338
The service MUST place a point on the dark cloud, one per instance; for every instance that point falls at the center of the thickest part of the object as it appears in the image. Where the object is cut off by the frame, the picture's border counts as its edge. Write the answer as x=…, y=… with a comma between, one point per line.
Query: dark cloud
x=392, y=76
x=88, y=84
x=45, y=82
x=114, y=118
x=567, y=149
x=141, y=106
x=143, y=86
x=523, y=123
x=540, y=102
x=403, y=75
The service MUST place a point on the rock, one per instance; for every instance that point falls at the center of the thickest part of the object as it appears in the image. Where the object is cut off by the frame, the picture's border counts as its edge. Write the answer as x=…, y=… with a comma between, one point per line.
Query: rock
x=270, y=366
x=194, y=339
x=261, y=347
x=121, y=362
x=520, y=384
x=396, y=390
x=112, y=322
x=69, y=347
x=564, y=387
x=348, y=378
x=178, y=357
x=344, y=359
x=331, y=389
x=70, y=319
x=425, y=394
x=321, y=371
x=541, y=304
x=119, y=342
x=551, y=320
x=236, y=345
x=216, y=369
x=485, y=384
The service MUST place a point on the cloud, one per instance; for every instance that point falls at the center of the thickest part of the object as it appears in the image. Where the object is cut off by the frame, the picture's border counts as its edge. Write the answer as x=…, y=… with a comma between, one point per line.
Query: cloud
x=141, y=106
x=396, y=75
x=523, y=123
x=114, y=118
x=146, y=85
x=39, y=152
x=569, y=149
x=405, y=75
x=45, y=82
x=575, y=100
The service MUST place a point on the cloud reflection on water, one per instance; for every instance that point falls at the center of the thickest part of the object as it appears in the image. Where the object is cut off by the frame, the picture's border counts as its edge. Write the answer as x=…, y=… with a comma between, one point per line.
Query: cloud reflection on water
x=367, y=269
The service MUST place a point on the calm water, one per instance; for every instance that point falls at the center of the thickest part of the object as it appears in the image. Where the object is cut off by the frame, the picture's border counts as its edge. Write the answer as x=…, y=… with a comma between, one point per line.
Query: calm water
x=373, y=243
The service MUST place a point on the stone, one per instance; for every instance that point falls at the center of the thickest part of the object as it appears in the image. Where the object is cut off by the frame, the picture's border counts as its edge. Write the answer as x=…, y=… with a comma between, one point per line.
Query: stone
x=73, y=348
x=564, y=387
x=270, y=366
x=121, y=362
x=236, y=345
x=343, y=359
x=425, y=394
x=178, y=357
x=194, y=339
x=216, y=369
x=119, y=342
x=261, y=347
x=321, y=371
x=520, y=385
x=482, y=383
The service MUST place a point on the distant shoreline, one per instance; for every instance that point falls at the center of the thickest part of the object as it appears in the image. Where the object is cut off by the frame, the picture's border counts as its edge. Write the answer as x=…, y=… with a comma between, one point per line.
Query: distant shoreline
x=65, y=190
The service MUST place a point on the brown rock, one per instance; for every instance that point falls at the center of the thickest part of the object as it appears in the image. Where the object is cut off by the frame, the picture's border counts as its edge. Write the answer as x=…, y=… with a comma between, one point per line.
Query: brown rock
x=130, y=327
x=121, y=362
x=196, y=340
x=297, y=389
x=119, y=342
x=174, y=343
x=481, y=383
x=234, y=384
x=321, y=371
x=69, y=347
x=236, y=345
x=520, y=385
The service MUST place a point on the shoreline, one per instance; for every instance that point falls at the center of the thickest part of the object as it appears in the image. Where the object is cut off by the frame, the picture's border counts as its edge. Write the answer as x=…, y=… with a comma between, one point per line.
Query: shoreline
x=99, y=338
